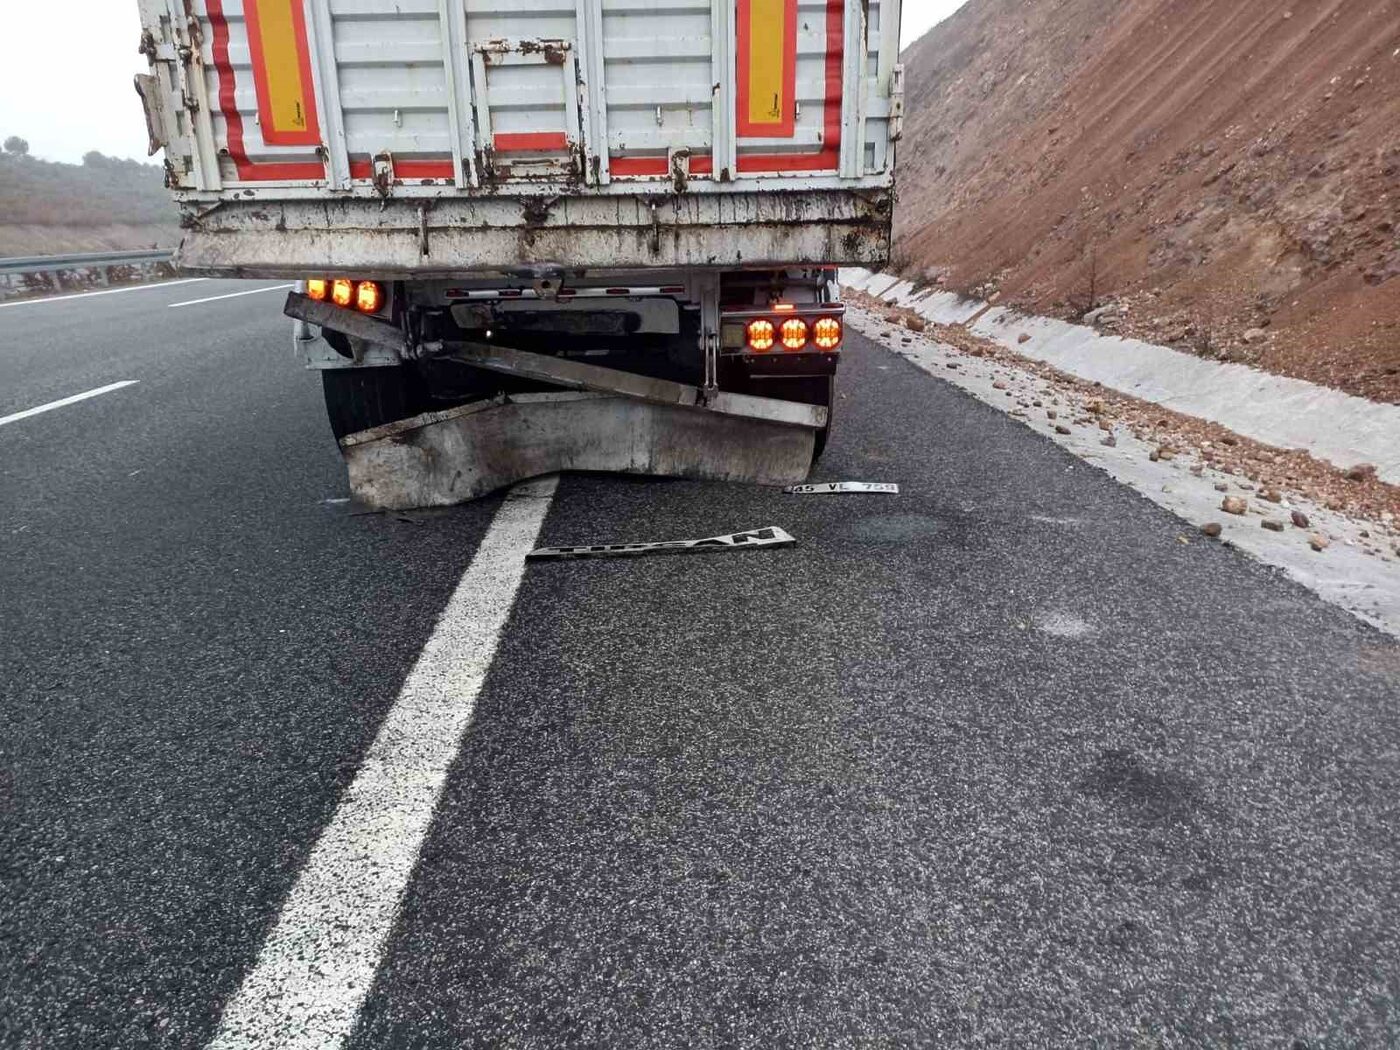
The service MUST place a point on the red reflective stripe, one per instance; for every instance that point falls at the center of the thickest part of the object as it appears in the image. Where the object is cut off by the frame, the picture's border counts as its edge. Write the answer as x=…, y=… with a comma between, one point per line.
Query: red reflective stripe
x=227, y=106
x=405, y=169
x=835, y=56
x=702, y=164
x=825, y=160
x=519, y=141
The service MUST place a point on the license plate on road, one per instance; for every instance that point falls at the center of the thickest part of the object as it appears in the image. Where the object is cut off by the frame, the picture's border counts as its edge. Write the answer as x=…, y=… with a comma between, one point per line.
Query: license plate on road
x=824, y=488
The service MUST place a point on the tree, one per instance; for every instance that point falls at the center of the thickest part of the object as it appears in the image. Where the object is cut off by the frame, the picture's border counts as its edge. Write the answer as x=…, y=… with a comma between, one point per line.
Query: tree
x=16, y=145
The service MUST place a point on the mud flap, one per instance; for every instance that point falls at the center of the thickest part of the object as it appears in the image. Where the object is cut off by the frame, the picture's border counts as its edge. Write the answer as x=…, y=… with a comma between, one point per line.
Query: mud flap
x=441, y=458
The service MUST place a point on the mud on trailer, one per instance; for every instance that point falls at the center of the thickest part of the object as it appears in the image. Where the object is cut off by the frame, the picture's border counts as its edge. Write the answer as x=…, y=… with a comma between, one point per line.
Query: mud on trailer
x=533, y=236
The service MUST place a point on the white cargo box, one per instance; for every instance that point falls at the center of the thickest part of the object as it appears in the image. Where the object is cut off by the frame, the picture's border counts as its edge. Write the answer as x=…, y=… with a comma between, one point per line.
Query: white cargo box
x=440, y=137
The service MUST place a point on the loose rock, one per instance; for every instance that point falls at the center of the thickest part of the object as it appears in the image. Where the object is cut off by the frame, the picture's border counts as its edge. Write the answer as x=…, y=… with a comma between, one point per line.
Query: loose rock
x=1361, y=472
x=1300, y=519
x=1060, y=428
x=1234, y=505
x=1212, y=529
x=1319, y=542
x=915, y=323
x=1271, y=525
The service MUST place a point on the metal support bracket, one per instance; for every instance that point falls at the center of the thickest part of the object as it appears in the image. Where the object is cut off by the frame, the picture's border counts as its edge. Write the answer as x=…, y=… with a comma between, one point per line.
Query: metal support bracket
x=575, y=375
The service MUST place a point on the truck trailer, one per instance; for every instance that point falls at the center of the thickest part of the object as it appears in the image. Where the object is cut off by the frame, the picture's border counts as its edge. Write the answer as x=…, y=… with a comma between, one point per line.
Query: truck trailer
x=534, y=235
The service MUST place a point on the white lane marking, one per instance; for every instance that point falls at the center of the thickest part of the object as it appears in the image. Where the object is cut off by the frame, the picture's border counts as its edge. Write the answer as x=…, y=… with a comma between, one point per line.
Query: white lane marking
x=17, y=416
x=319, y=960
x=105, y=291
x=231, y=295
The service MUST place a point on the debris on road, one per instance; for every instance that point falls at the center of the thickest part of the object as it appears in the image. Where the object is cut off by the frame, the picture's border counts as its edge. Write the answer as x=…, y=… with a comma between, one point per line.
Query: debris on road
x=1300, y=520
x=1355, y=491
x=1271, y=524
x=832, y=487
x=1234, y=505
x=753, y=539
x=1213, y=529
x=1319, y=542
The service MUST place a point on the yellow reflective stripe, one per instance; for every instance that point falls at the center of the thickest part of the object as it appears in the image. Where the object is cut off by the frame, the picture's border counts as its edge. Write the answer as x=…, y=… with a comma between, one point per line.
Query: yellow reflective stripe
x=286, y=97
x=767, y=50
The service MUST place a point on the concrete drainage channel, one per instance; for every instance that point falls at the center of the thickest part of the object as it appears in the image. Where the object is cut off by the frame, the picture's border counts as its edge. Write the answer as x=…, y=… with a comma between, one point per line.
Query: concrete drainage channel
x=1277, y=410
x=1351, y=571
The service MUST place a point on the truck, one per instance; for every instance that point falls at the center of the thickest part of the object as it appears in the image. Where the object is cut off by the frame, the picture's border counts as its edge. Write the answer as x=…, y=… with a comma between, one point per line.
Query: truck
x=539, y=235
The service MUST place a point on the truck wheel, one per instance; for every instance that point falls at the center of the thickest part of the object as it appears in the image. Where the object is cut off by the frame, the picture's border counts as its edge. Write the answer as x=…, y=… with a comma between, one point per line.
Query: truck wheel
x=360, y=398
x=823, y=392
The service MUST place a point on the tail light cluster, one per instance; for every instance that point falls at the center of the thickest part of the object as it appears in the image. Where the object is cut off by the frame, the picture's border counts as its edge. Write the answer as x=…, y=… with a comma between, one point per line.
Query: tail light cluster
x=365, y=296
x=792, y=334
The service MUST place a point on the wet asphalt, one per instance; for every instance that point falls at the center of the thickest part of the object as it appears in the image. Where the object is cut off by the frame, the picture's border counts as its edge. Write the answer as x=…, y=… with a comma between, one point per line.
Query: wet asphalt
x=1012, y=758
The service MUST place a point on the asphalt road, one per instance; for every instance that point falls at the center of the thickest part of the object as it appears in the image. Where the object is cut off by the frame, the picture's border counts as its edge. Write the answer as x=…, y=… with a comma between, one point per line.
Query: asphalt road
x=999, y=761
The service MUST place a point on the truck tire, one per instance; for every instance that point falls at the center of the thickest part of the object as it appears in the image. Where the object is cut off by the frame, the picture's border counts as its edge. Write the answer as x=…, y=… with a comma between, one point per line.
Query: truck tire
x=360, y=398
x=822, y=392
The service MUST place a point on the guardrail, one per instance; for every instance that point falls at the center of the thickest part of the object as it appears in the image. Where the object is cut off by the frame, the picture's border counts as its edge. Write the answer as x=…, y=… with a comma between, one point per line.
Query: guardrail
x=103, y=261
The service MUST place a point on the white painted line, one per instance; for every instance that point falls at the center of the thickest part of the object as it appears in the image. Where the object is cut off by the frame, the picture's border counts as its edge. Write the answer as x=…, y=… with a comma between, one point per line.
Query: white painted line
x=231, y=295
x=105, y=291
x=16, y=417
x=319, y=961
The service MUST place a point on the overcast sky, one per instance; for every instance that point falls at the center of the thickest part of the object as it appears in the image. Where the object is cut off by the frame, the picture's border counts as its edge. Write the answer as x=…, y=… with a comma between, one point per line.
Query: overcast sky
x=88, y=102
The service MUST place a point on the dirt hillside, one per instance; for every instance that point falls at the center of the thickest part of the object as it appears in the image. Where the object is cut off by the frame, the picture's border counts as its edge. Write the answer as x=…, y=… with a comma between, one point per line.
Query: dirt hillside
x=48, y=208
x=1223, y=176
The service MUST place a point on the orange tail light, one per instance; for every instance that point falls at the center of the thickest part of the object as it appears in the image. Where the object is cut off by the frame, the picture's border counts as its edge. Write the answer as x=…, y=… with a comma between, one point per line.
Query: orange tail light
x=368, y=297
x=317, y=289
x=794, y=333
x=826, y=333
x=761, y=334
x=342, y=292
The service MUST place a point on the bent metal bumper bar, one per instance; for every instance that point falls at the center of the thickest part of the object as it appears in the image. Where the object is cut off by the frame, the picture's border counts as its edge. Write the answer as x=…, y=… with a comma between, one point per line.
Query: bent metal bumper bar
x=606, y=420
